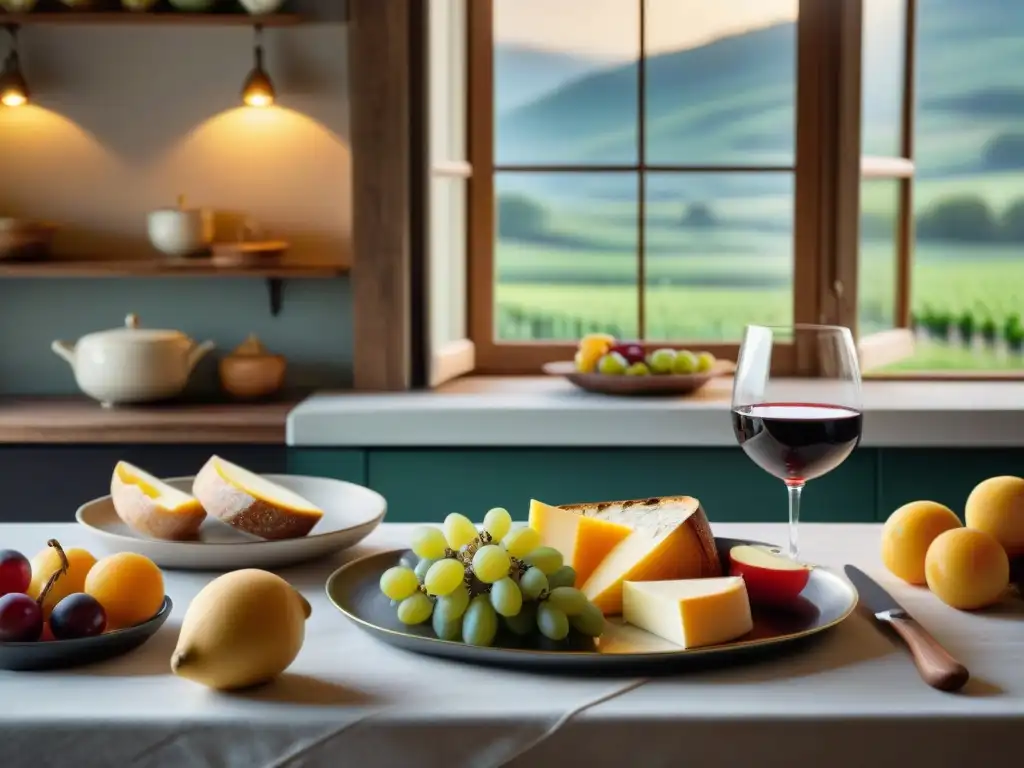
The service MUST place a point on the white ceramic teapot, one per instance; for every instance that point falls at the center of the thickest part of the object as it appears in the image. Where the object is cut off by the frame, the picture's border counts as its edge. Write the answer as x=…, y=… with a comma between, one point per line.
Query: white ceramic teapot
x=132, y=364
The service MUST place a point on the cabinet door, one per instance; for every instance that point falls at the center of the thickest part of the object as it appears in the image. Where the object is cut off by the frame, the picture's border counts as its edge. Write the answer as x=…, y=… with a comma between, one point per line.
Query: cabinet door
x=340, y=464
x=425, y=485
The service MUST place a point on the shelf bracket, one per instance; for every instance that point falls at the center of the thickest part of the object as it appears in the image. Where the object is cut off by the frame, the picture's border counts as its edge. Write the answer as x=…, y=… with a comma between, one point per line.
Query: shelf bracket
x=275, y=288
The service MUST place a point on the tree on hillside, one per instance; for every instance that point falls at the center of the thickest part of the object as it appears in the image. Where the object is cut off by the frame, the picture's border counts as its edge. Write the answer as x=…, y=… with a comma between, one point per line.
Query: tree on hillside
x=521, y=217
x=1013, y=222
x=698, y=215
x=964, y=218
x=1004, y=152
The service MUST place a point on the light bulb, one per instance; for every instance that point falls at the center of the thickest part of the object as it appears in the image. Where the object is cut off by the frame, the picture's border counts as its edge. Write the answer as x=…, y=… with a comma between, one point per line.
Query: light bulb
x=13, y=88
x=258, y=90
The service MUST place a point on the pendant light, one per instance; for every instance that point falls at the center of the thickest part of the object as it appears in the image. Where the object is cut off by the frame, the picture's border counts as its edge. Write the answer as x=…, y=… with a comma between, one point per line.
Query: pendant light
x=258, y=90
x=13, y=88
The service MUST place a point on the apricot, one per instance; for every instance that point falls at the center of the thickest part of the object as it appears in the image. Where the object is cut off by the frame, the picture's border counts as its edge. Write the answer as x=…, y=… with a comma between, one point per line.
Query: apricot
x=909, y=532
x=996, y=506
x=967, y=569
x=47, y=562
x=129, y=586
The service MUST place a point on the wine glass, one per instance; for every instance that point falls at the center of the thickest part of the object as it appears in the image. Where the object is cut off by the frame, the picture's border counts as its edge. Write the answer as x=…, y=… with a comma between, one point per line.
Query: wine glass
x=797, y=427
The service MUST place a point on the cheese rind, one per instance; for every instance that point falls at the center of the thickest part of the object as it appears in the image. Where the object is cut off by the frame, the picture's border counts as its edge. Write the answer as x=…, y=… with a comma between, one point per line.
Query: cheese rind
x=692, y=613
x=658, y=515
x=583, y=541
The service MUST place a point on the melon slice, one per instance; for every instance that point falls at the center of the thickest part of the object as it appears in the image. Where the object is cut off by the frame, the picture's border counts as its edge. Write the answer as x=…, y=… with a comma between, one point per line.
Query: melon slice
x=152, y=507
x=251, y=503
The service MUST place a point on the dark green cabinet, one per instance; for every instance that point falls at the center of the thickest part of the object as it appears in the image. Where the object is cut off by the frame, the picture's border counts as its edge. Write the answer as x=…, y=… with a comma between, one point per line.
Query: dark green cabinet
x=47, y=483
x=945, y=475
x=339, y=463
x=425, y=484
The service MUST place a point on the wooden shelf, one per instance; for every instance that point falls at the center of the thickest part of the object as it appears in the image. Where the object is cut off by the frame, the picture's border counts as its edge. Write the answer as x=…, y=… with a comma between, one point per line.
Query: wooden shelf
x=143, y=18
x=164, y=268
x=80, y=420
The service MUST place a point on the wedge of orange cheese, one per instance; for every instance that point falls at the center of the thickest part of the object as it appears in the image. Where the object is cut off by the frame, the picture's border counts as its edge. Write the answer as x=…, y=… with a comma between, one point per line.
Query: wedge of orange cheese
x=669, y=538
x=583, y=541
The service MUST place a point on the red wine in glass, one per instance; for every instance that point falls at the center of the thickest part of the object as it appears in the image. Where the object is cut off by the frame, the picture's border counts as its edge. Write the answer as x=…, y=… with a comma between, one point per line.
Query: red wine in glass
x=796, y=404
x=797, y=442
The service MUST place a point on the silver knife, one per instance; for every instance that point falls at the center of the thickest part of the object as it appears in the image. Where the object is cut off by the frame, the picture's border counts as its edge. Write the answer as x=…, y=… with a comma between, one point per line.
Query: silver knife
x=937, y=667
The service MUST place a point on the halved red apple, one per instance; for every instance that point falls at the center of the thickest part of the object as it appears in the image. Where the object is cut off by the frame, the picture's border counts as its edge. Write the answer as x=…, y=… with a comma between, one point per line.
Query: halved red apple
x=771, y=578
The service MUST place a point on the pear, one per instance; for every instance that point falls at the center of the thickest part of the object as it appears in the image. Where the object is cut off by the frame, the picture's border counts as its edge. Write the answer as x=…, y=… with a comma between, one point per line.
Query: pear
x=243, y=629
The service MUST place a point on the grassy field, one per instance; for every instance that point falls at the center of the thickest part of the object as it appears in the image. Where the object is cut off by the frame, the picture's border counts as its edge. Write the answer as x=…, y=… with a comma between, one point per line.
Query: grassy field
x=706, y=284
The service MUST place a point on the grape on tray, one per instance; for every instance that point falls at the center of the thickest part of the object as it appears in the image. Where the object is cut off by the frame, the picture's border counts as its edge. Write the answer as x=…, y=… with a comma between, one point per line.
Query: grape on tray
x=469, y=583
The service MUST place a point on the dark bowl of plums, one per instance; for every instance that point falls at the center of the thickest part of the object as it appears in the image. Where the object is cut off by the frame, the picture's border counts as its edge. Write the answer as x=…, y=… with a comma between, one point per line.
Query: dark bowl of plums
x=74, y=631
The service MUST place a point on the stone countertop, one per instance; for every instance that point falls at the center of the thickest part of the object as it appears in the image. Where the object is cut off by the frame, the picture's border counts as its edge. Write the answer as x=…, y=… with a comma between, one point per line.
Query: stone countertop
x=550, y=412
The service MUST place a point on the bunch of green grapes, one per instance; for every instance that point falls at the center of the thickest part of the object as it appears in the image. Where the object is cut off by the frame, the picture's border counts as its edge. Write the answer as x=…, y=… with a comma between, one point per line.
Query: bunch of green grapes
x=469, y=582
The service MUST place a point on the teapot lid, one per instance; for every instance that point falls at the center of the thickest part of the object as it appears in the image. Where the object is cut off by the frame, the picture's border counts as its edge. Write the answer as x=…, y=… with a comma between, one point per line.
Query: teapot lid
x=132, y=332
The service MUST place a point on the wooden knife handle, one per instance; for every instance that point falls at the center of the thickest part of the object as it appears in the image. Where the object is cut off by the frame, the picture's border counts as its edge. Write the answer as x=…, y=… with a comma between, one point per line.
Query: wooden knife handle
x=937, y=667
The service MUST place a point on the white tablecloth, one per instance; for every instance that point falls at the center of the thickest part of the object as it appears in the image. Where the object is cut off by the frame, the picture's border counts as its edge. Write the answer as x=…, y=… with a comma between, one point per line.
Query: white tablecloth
x=851, y=699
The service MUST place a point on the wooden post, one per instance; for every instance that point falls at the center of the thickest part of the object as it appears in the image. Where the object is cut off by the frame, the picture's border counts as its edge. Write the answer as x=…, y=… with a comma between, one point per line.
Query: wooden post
x=380, y=109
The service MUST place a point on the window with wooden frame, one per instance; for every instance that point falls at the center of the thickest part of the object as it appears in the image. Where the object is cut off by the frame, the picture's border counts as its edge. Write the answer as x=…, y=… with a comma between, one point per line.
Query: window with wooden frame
x=670, y=170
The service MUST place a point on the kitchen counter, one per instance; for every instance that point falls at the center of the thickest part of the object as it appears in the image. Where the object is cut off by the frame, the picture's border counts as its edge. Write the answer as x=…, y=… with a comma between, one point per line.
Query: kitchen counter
x=550, y=412
x=80, y=420
x=850, y=699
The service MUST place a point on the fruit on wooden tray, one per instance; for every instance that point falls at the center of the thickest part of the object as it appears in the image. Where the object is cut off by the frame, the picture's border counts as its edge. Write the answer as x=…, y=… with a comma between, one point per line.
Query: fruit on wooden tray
x=242, y=629
x=15, y=572
x=252, y=503
x=152, y=507
x=612, y=364
x=470, y=583
x=661, y=361
x=638, y=369
x=76, y=616
x=996, y=506
x=670, y=539
x=967, y=569
x=685, y=363
x=129, y=586
x=771, y=578
x=602, y=353
x=691, y=613
x=632, y=352
x=52, y=560
x=591, y=349
x=909, y=532
x=585, y=541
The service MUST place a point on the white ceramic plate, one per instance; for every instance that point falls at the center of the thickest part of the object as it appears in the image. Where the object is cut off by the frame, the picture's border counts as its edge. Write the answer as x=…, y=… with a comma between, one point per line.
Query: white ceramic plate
x=351, y=512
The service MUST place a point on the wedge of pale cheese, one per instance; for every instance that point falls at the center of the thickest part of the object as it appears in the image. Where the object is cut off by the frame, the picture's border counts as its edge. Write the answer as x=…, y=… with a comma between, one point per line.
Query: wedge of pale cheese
x=583, y=541
x=253, y=503
x=691, y=613
x=153, y=508
x=670, y=539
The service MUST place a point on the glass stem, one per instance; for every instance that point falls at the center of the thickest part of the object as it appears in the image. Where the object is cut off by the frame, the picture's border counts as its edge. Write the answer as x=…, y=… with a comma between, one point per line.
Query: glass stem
x=794, y=517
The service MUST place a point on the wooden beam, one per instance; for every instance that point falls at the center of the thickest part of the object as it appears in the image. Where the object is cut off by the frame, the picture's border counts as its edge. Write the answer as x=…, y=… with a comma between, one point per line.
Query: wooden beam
x=380, y=97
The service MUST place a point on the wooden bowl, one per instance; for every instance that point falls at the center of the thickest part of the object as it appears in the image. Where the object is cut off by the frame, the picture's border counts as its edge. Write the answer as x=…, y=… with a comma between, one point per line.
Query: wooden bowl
x=652, y=384
x=248, y=377
x=25, y=240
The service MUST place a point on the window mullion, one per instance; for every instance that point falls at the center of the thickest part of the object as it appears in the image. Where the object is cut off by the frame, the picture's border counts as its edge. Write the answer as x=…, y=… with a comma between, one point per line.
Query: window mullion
x=641, y=177
x=905, y=222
